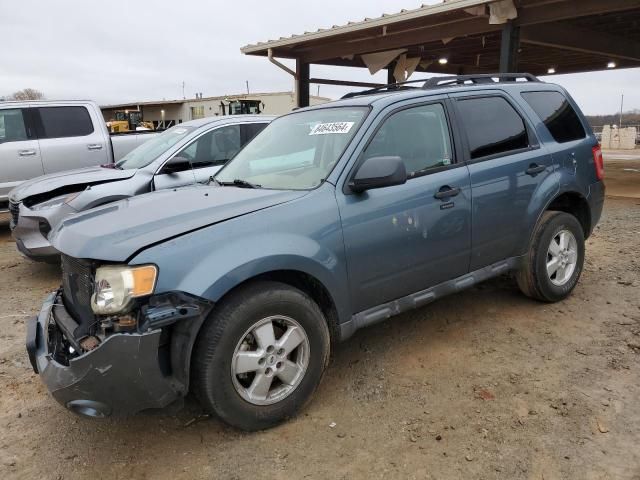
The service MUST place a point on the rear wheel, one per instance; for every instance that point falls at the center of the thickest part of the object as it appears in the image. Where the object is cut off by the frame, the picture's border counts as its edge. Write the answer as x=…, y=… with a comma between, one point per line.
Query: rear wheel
x=261, y=355
x=555, y=259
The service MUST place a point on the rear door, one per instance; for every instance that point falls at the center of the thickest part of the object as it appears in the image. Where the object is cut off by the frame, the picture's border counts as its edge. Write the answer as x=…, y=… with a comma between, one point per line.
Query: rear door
x=19, y=150
x=566, y=135
x=507, y=164
x=406, y=238
x=68, y=138
x=207, y=154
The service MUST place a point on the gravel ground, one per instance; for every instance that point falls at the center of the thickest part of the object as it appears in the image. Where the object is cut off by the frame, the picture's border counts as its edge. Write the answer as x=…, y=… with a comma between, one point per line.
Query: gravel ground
x=484, y=384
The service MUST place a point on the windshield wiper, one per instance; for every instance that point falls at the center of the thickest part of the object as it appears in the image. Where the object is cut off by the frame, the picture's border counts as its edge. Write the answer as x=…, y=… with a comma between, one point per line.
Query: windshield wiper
x=238, y=182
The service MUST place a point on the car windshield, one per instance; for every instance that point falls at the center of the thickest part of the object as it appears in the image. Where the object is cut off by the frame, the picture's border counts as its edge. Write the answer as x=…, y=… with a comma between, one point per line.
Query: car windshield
x=295, y=152
x=151, y=149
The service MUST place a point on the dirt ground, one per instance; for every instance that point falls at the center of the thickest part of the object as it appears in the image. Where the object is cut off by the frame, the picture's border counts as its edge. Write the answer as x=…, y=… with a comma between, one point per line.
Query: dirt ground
x=485, y=384
x=623, y=173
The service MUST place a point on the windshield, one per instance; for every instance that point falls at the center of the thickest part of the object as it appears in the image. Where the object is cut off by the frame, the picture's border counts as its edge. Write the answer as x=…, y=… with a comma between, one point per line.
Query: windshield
x=151, y=149
x=295, y=152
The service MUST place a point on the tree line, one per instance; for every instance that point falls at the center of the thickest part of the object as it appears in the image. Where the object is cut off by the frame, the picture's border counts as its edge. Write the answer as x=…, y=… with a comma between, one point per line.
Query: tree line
x=630, y=118
x=25, y=94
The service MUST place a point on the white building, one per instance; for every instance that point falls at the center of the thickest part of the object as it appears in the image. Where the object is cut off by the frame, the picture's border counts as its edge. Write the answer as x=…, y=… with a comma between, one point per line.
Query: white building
x=166, y=113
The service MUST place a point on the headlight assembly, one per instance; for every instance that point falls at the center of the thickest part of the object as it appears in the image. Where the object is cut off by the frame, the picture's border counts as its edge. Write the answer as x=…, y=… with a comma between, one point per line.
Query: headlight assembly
x=116, y=286
x=55, y=202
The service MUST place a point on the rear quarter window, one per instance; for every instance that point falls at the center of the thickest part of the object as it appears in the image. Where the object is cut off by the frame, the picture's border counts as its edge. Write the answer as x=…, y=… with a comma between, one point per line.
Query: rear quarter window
x=557, y=114
x=60, y=122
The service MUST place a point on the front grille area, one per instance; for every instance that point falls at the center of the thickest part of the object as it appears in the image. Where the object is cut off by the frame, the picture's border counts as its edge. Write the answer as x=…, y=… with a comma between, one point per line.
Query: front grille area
x=14, y=208
x=77, y=287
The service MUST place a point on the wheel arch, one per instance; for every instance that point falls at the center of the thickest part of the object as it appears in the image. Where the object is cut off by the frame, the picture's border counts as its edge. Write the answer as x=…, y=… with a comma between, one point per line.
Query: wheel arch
x=308, y=284
x=561, y=200
x=575, y=204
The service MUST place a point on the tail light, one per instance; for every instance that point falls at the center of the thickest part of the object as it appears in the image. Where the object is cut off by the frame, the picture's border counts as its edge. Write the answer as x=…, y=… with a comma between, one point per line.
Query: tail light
x=598, y=162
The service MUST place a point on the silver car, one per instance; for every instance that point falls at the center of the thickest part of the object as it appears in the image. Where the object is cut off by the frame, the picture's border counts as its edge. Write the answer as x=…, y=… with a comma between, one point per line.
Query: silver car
x=183, y=155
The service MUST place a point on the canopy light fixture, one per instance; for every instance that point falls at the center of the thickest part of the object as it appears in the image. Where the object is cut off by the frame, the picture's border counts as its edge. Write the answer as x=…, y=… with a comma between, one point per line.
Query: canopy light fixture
x=611, y=65
x=443, y=61
x=551, y=71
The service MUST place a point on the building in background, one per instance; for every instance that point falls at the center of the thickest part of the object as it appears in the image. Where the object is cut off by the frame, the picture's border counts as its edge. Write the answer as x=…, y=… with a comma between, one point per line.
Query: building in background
x=166, y=113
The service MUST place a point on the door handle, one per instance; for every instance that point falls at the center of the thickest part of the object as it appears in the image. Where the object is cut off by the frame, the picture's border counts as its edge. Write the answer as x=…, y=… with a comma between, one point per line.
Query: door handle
x=26, y=153
x=94, y=146
x=446, y=192
x=535, y=169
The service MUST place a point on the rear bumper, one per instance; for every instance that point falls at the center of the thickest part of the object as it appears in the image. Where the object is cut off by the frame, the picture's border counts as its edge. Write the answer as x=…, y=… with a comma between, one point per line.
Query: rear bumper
x=121, y=376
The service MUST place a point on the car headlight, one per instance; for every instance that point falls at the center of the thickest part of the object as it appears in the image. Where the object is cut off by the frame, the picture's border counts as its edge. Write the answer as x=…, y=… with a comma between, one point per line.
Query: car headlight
x=55, y=202
x=116, y=286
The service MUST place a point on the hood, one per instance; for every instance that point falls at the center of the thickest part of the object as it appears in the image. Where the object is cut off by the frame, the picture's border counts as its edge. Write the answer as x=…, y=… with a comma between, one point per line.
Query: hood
x=117, y=231
x=80, y=177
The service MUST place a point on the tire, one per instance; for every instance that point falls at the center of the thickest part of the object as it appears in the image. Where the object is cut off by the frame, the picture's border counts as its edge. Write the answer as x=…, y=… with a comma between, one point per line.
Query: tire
x=533, y=277
x=237, y=333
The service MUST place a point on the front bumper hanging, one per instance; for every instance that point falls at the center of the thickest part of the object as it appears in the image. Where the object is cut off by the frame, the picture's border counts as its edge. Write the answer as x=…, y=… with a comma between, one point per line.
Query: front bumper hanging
x=121, y=376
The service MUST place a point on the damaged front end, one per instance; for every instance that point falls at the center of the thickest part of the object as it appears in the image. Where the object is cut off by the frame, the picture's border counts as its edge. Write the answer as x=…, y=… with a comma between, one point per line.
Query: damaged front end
x=117, y=364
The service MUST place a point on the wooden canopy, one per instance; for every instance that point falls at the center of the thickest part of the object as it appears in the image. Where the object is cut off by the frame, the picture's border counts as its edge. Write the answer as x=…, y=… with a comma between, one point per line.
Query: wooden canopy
x=473, y=36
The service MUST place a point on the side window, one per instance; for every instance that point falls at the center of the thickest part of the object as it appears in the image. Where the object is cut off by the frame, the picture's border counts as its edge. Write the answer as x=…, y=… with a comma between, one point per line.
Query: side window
x=250, y=130
x=493, y=126
x=12, y=127
x=213, y=148
x=60, y=122
x=557, y=114
x=225, y=143
x=419, y=136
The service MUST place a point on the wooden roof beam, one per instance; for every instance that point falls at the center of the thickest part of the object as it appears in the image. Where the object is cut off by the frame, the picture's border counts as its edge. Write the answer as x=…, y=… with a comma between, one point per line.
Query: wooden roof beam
x=569, y=9
x=402, y=39
x=568, y=37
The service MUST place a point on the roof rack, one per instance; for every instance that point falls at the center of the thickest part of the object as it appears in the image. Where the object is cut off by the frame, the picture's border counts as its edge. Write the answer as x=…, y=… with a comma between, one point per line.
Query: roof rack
x=484, y=78
x=449, y=81
x=389, y=87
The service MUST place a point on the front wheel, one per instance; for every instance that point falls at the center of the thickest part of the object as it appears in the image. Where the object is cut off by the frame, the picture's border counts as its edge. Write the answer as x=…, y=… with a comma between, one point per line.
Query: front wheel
x=261, y=355
x=554, y=263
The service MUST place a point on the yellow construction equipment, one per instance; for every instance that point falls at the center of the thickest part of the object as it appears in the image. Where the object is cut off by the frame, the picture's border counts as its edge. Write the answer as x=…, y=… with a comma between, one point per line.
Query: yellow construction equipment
x=128, y=121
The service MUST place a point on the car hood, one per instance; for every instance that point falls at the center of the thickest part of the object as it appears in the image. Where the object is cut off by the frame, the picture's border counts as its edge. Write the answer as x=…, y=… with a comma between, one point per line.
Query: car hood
x=117, y=231
x=80, y=177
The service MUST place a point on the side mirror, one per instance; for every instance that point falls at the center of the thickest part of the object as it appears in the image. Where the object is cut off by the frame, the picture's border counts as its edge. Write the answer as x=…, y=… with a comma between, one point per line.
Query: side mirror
x=378, y=172
x=176, y=164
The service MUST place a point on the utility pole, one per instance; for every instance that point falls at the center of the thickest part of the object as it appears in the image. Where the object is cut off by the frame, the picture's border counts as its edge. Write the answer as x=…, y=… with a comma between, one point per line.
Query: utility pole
x=247, y=82
x=621, y=106
x=183, y=97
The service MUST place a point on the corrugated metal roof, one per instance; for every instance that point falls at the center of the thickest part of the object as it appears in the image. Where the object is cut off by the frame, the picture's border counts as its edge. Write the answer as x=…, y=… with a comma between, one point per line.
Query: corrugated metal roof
x=238, y=96
x=381, y=21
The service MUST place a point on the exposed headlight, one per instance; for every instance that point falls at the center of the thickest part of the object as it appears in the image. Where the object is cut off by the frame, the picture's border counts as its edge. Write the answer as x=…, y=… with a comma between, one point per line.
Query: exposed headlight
x=116, y=286
x=55, y=202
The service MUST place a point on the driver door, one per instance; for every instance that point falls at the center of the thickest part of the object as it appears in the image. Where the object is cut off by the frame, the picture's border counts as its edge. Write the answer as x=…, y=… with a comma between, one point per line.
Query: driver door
x=203, y=158
x=405, y=238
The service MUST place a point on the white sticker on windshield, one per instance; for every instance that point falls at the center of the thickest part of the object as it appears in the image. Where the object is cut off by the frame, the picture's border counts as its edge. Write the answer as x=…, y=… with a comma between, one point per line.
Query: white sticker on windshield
x=333, y=127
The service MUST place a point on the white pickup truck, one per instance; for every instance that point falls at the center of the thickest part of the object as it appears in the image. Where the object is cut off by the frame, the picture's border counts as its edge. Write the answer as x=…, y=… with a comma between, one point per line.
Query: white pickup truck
x=41, y=137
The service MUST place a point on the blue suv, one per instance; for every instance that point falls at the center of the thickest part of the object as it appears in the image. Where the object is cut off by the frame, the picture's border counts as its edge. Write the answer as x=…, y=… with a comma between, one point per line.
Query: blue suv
x=333, y=218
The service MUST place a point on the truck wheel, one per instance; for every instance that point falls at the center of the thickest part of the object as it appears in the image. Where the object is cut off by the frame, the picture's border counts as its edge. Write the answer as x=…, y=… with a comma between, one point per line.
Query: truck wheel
x=554, y=263
x=260, y=356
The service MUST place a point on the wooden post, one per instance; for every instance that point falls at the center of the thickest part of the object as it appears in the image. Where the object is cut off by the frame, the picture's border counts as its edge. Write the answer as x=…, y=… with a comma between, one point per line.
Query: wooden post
x=302, y=83
x=509, y=48
x=390, y=78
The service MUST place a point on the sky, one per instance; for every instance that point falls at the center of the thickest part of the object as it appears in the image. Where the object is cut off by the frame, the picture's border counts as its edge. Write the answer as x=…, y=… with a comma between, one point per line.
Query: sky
x=116, y=52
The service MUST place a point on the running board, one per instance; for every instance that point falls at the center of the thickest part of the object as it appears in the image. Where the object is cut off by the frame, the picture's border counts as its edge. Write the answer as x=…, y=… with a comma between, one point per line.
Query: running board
x=382, y=312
